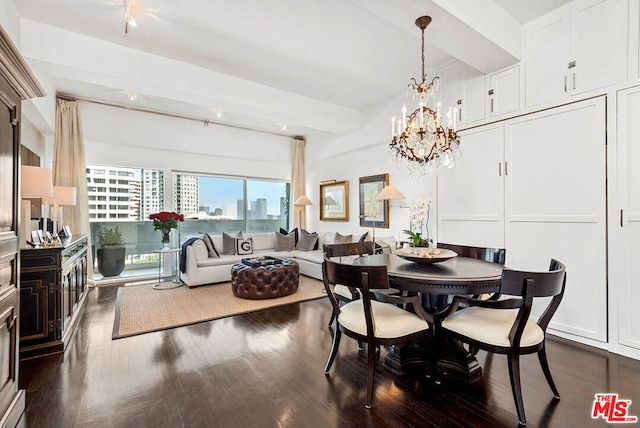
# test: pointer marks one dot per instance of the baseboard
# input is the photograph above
(13, 414)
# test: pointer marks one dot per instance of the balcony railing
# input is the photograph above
(140, 238)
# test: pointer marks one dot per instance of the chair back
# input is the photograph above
(352, 275)
(350, 249)
(537, 284)
(494, 255)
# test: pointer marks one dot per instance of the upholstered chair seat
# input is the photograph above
(492, 326)
(390, 321)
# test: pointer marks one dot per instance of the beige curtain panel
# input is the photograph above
(70, 168)
(298, 183)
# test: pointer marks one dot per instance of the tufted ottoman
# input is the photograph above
(278, 279)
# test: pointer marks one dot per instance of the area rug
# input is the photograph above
(141, 309)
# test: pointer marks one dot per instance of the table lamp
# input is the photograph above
(62, 196)
(36, 183)
(302, 202)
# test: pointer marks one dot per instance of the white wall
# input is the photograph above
(32, 139)
(10, 21)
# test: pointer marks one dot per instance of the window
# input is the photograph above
(231, 204)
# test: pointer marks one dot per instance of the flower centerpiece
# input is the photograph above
(165, 221)
(419, 223)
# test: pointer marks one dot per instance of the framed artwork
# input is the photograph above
(334, 200)
(373, 213)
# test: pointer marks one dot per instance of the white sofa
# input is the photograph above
(213, 270)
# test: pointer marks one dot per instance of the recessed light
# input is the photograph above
(132, 95)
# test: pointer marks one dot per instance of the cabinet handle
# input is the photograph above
(573, 79)
(460, 115)
(491, 105)
(506, 166)
(621, 218)
(565, 83)
(500, 169)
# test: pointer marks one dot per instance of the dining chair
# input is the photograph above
(493, 255)
(343, 293)
(505, 327)
(376, 322)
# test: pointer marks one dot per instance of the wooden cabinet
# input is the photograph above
(53, 283)
(504, 91)
(462, 87)
(16, 84)
(536, 184)
(575, 49)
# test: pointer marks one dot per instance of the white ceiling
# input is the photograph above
(308, 63)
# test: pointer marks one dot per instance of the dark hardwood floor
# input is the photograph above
(265, 369)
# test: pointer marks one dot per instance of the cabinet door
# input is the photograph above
(547, 56)
(504, 91)
(470, 196)
(555, 207)
(627, 230)
(599, 34)
(462, 88)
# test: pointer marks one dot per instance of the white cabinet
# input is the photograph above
(575, 49)
(462, 87)
(535, 185)
(504, 91)
(627, 221)
(471, 196)
(556, 206)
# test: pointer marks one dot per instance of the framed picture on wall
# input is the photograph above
(334, 201)
(373, 213)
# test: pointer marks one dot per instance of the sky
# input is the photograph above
(216, 192)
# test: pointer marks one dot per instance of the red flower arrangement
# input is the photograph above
(165, 221)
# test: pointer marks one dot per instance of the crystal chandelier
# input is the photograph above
(420, 142)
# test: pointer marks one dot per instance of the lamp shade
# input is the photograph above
(388, 193)
(36, 182)
(303, 200)
(64, 195)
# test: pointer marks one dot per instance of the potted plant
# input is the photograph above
(111, 252)
(419, 224)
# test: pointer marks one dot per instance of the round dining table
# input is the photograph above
(435, 283)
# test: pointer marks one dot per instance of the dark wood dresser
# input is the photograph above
(53, 286)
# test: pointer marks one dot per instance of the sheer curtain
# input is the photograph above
(298, 184)
(70, 169)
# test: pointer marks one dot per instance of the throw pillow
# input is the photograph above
(213, 253)
(306, 241)
(244, 246)
(294, 232)
(364, 237)
(229, 243)
(342, 239)
(285, 242)
(200, 250)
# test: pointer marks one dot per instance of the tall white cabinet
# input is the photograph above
(626, 225)
(536, 185)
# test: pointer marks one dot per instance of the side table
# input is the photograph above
(175, 282)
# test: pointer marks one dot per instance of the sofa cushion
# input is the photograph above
(229, 243)
(263, 241)
(342, 239)
(285, 242)
(315, 256)
(244, 246)
(306, 241)
(213, 252)
(200, 250)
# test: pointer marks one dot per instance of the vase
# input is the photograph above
(166, 238)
